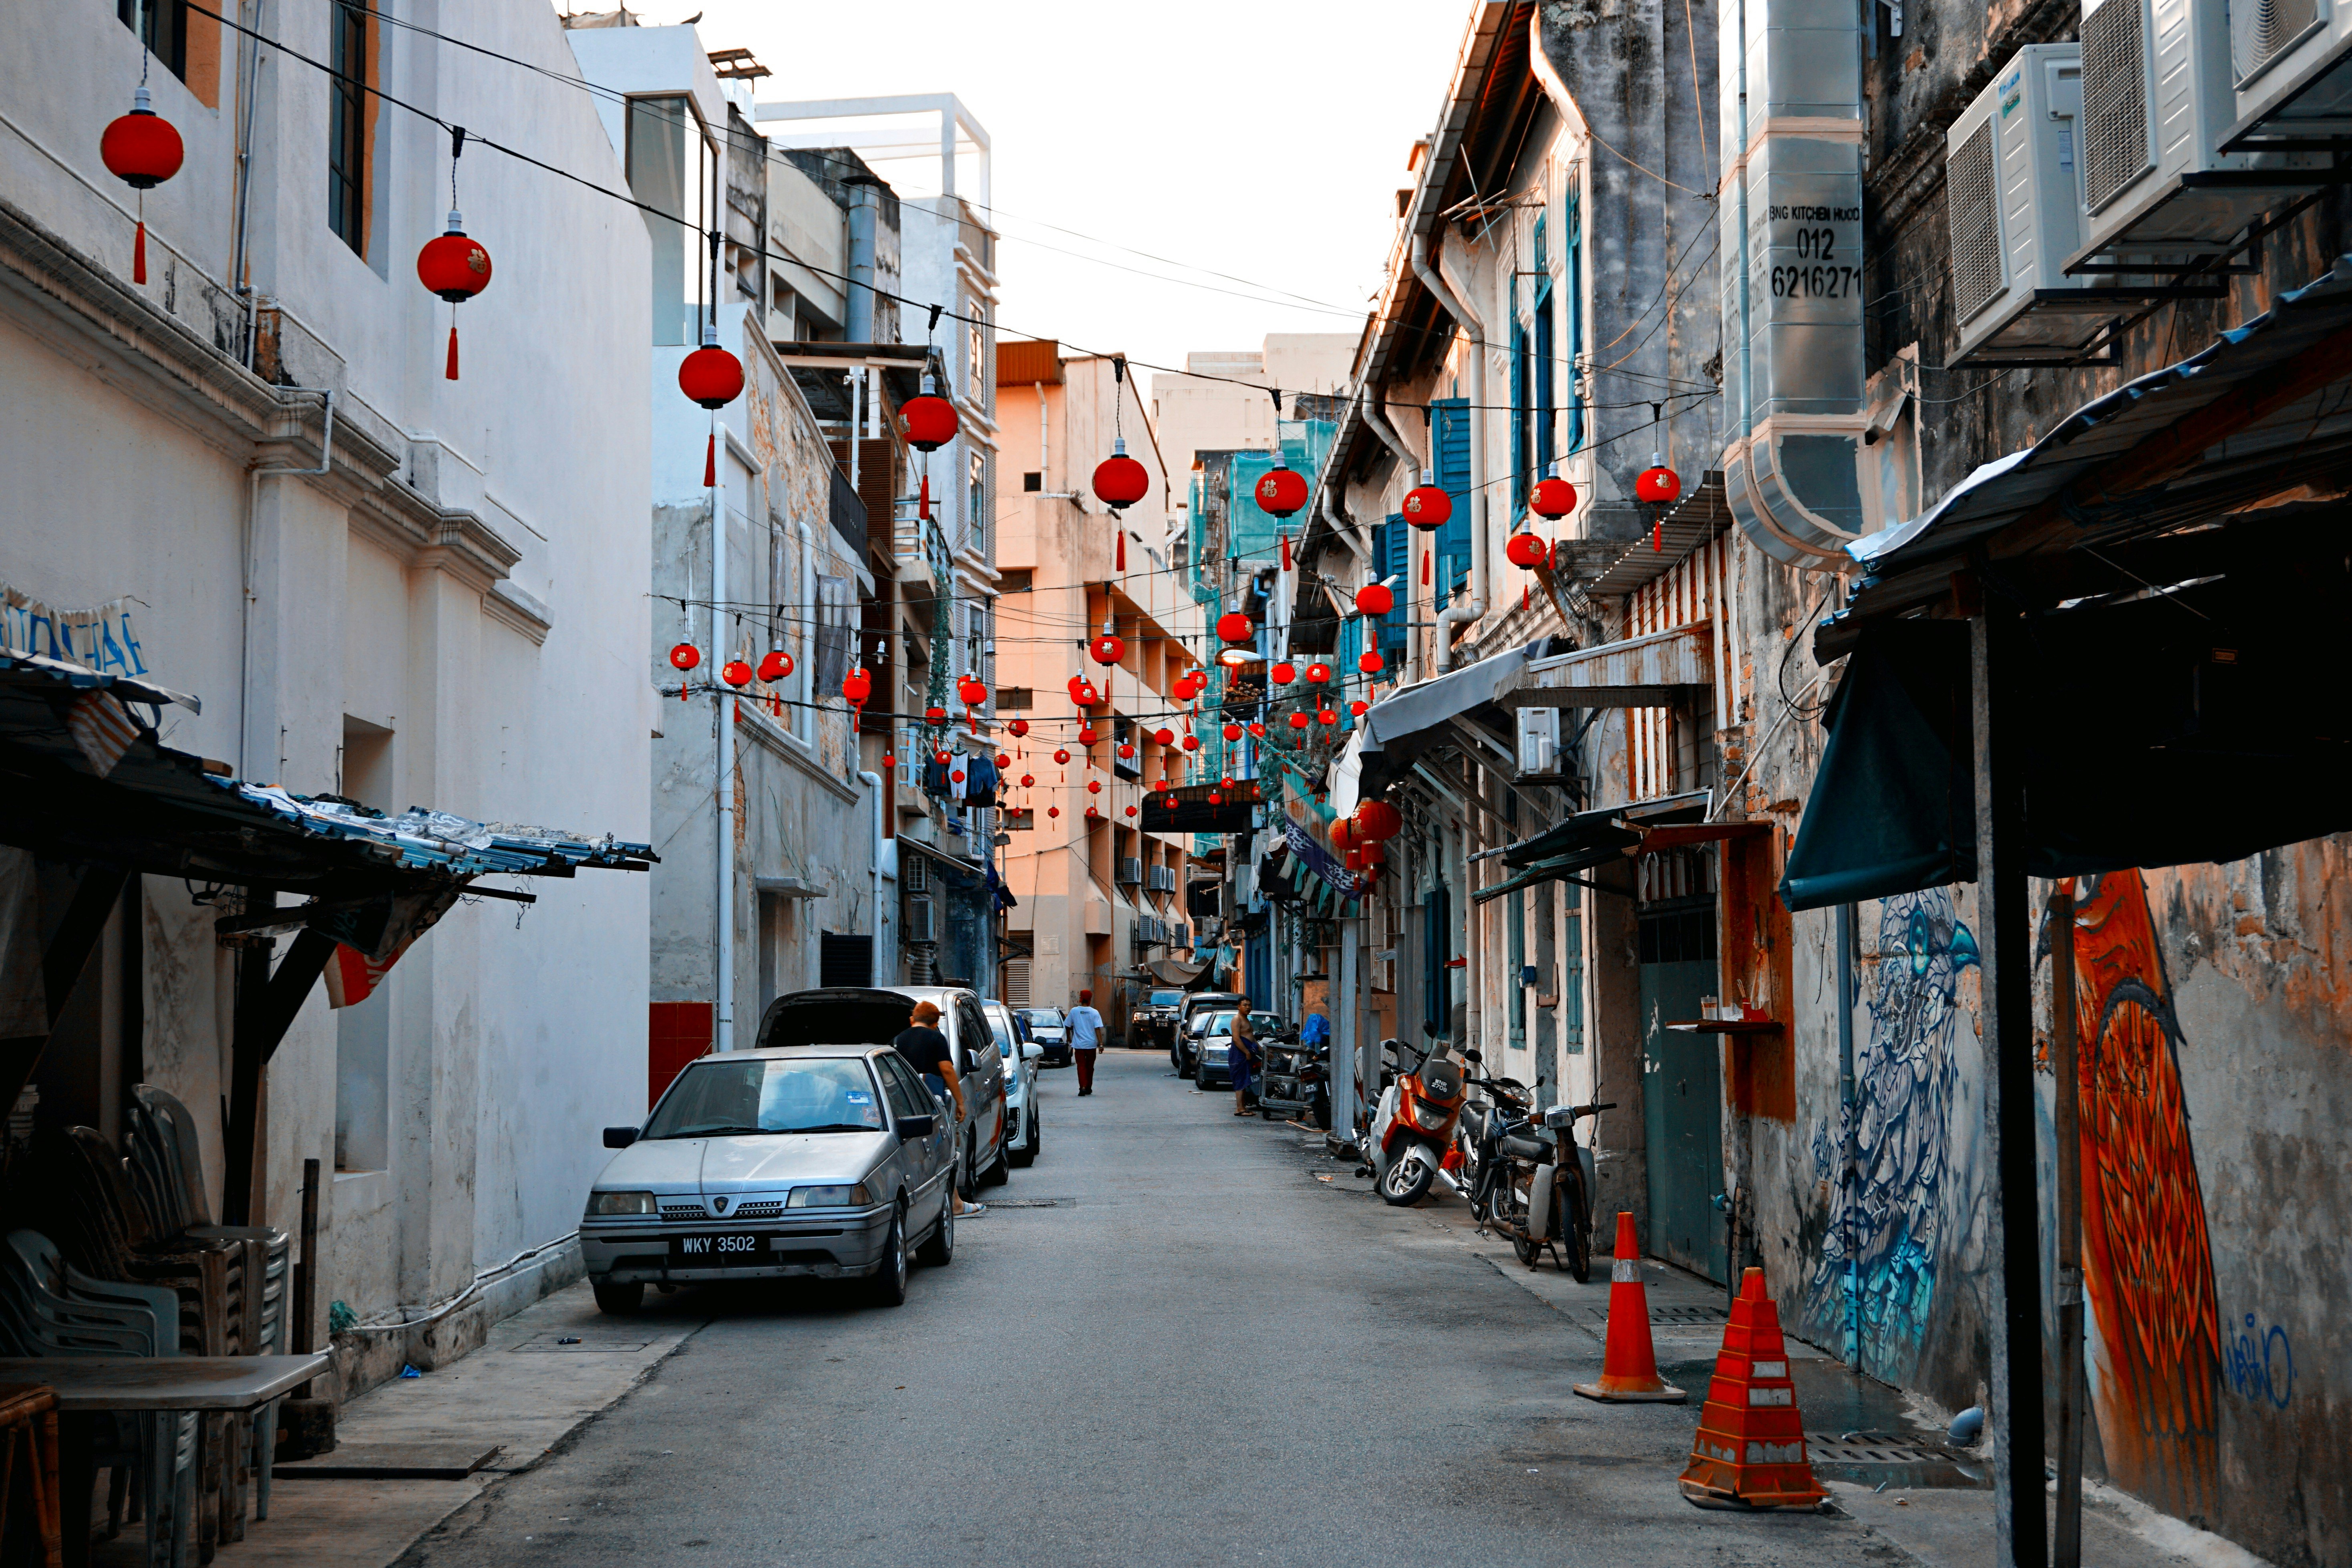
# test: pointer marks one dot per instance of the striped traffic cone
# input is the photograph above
(1750, 1448)
(1628, 1362)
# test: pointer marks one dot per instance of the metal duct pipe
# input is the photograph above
(857, 315)
(1457, 306)
(1340, 531)
(1376, 417)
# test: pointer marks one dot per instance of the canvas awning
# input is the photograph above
(1399, 729)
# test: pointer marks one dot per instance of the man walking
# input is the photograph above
(1085, 1039)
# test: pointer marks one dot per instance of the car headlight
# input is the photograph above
(600, 1204)
(829, 1198)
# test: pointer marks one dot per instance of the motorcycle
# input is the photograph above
(1290, 1079)
(1480, 1131)
(1537, 1187)
(1413, 1131)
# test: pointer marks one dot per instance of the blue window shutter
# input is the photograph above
(1450, 417)
(1395, 560)
(1572, 307)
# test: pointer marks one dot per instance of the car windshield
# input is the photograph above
(1043, 1018)
(718, 1099)
(1265, 1023)
(1166, 998)
(1215, 1024)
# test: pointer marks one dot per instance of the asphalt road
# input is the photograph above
(1199, 1353)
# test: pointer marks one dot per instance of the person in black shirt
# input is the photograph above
(926, 1050)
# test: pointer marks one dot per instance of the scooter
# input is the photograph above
(1413, 1131)
(1479, 1134)
(1539, 1189)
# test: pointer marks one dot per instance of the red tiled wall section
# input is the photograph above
(679, 1032)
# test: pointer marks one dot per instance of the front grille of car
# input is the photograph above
(684, 1211)
(757, 1211)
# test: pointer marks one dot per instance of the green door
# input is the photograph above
(1681, 1092)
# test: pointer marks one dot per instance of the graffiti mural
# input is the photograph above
(2155, 1355)
(1873, 1288)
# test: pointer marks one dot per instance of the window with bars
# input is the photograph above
(346, 125)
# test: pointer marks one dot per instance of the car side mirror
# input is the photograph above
(619, 1137)
(1033, 1053)
(971, 1061)
(913, 1127)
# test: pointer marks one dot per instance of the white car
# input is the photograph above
(1049, 1027)
(1022, 1127)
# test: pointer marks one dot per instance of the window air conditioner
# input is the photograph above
(918, 919)
(2016, 214)
(1131, 869)
(2158, 103)
(1539, 742)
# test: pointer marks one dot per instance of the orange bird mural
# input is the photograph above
(2155, 1353)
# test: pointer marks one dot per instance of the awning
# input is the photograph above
(1396, 731)
(2255, 420)
(2196, 725)
(1648, 671)
(1697, 519)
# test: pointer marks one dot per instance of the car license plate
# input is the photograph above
(730, 1250)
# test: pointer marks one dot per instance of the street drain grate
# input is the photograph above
(1668, 1317)
(1866, 1448)
(1033, 1202)
(573, 1344)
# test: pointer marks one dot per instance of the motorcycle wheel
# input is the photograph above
(1528, 1252)
(1406, 1183)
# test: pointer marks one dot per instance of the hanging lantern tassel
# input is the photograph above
(1286, 552)
(139, 245)
(1122, 545)
(1425, 568)
(1658, 535)
(710, 459)
(450, 374)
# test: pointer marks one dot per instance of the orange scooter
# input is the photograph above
(1413, 1131)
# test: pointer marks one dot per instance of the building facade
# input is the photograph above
(384, 585)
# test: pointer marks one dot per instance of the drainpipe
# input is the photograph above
(252, 518)
(248, 78)
(723, 1014)
(1345, 534)
(1376, 415)
(873, 782)
(1848, 1097)
(1455, 305)
(857, 418)
(857, 313)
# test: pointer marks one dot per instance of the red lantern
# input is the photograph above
(1086, 736)
(1357, 708)
(455, 268)
(1191, 742)
(1002, 761)
(1094, 786)
(736, 673)
(1236, 627)
(973, 691)
(1053, 811)
(1379, 820)
(928, 422)
(888, 761)
(1165, 737)
(1375, 599)
(684, 655)
(1427, 506)
(1107, 649)
(1125, 751)
(857, 685)
(1327, 716)
(1215, 799)
(1019, 727)
(1658, 483)
(1062, 755)
(1281, 489)
(1233, 731)
(1131, 811)
(1257, 730)
(1119, 480)
(710, 375)
(1092, 814)
(1225, 783)
(1319, 673)
(143, 149)
(1371, 663)
(1525, 550)
(1343, 834)
(1355, 860)
(942, 757)
(1553, 497)
(1283, 673)
(1082, 692)
(957, 775)
(1028, 780)
(776, 666)
(1300, 720)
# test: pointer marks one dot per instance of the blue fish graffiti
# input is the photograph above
(1876, 1282)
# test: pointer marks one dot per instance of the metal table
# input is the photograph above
(91, 1387)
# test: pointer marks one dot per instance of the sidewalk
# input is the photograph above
(1948, 1525)
(514, 1399)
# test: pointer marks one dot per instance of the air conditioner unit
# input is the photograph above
(2291, 62)
(2016, 216)
(1162, 878)
(919, 927)
(2159, 100)
(1539, 742)
(1131, 869)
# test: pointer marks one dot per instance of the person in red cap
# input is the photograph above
(1086, 1037)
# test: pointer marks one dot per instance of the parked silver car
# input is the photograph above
(820, 1160)
(874, 1014)
(1021, 1057)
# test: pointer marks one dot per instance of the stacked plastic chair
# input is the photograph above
(49, 1308)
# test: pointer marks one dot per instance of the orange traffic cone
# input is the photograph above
(1628, 1362)
(1750, 1448)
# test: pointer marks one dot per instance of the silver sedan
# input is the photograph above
(820, 1161)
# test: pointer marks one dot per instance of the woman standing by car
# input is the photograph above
(926, 1050)
(1240, 1060)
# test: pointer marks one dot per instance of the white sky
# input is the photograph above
(1265, 139)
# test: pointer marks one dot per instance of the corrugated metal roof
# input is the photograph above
(1028, 361)
(2257, 418)
(1699, 517)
